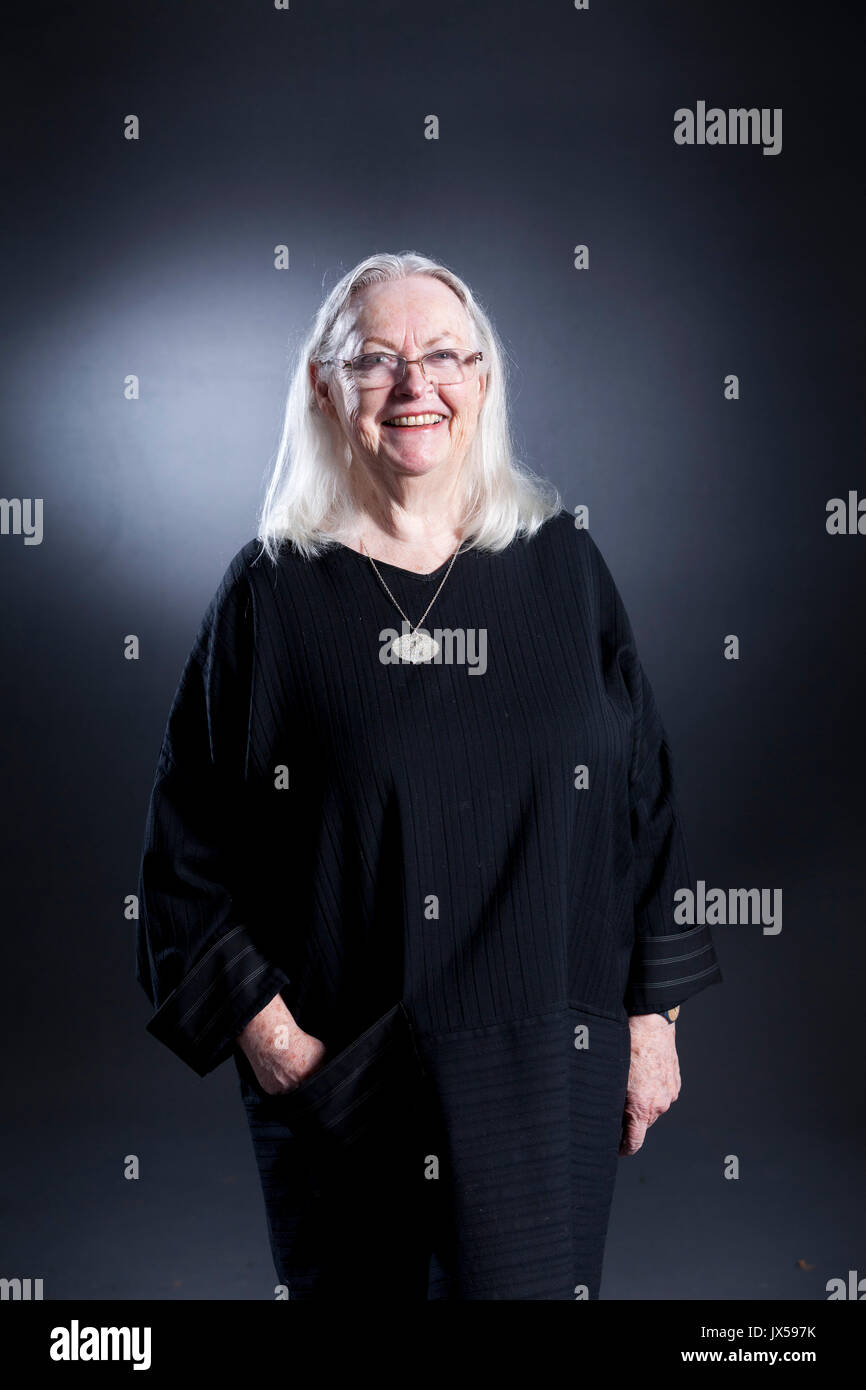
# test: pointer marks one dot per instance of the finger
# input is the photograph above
(634, 1132)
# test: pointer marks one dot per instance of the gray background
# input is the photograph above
(156, 258)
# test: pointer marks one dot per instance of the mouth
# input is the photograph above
(415, 422)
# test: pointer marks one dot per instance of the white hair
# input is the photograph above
(307, 489)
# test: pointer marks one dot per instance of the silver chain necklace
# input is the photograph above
(417, 645)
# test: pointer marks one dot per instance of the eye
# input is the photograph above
(443, 355)
(373, 359)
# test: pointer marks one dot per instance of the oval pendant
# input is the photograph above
(415, 646)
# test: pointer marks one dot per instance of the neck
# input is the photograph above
(411, 512)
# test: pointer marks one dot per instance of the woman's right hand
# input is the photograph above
(280, 1053)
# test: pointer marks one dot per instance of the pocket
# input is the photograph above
(345, 1157)
(369, 1110)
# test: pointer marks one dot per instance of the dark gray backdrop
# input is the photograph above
(155, 257)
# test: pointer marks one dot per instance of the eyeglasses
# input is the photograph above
(446, 367)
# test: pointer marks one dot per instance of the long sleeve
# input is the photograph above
(197, 957)
(670, 961)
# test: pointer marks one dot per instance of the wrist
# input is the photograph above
(273, 1026)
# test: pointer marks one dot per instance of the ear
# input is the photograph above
(321, 389)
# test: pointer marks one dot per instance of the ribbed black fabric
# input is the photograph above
(357, 834)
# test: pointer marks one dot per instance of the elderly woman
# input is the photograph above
(412, 851)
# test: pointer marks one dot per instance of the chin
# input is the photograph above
(419, 457)
(420, 465)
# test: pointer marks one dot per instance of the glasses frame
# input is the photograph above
(477, 357)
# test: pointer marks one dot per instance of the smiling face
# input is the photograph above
(408, 318)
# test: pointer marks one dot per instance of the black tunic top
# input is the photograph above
(487, 843)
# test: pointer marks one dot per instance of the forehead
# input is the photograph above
(420, 306)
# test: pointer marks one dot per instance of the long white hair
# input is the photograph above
(307, 490)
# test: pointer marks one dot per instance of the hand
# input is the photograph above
(653, 1078)
(280, 1053)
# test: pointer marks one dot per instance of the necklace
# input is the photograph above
(418, 645)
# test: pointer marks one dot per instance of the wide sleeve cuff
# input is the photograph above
(666, 970)
(202, 1017)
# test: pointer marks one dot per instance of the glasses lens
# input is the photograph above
(376, 369)
(446, 367)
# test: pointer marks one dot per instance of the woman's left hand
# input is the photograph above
(653, 1078)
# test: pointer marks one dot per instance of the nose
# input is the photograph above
(414, 381)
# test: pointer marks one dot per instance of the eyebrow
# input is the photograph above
(385, 343)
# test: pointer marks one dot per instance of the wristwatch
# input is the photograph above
(670, 1014)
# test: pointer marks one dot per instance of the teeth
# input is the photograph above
(406, 420)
